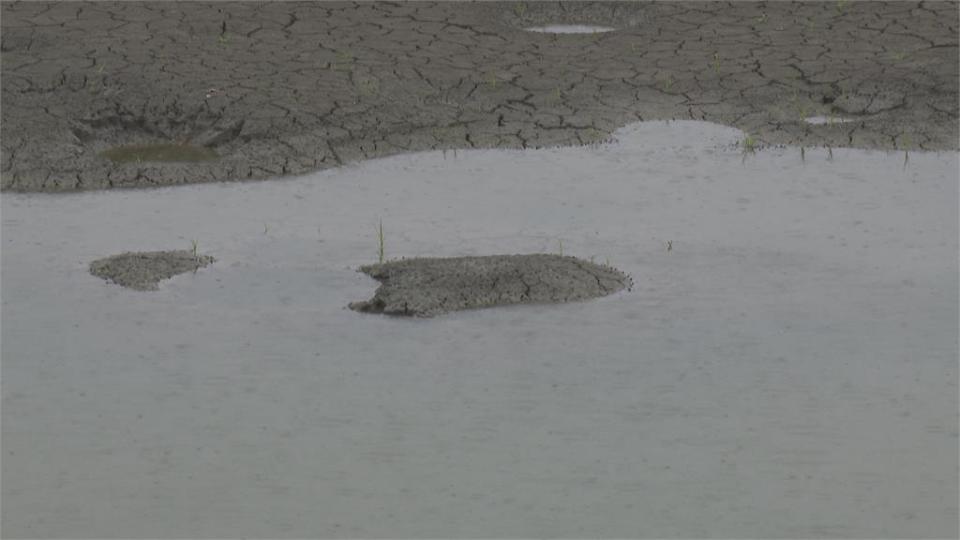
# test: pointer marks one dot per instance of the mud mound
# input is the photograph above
(431, 286)
(143, 271)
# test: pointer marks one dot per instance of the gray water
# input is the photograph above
(788, 368)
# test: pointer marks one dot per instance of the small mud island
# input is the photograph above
(143, 271)
(425, 287)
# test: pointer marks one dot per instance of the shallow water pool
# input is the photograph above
(785, 364)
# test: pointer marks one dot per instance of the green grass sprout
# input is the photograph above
(905, 143)
(342, 61)
(380, 251)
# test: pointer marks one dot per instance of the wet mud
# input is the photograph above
(143, 271)
(425, 287)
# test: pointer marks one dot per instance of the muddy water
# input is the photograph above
(785, 365)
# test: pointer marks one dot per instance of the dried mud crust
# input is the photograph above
(278, 88)
(425, 287)
(143, 271)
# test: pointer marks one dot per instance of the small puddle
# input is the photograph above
(570, 29)
(159, 152)
(818, 120)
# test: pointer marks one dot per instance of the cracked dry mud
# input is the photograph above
(288, 88)
(425, 287)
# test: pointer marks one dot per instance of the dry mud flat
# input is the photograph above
(260, 90)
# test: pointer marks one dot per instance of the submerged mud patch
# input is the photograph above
(561, 17)
(144, 270)
(570, 29)
(425, 287)
(159, 152)
(828, 120)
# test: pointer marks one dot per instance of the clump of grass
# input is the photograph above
(223, 38)
(560, 242)
(368, 87)
(905, 141)
(749, 144)
(342, 61)
(667, 84)
(593, 136)
(520, 8)
(716, 62)
(196, 254)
